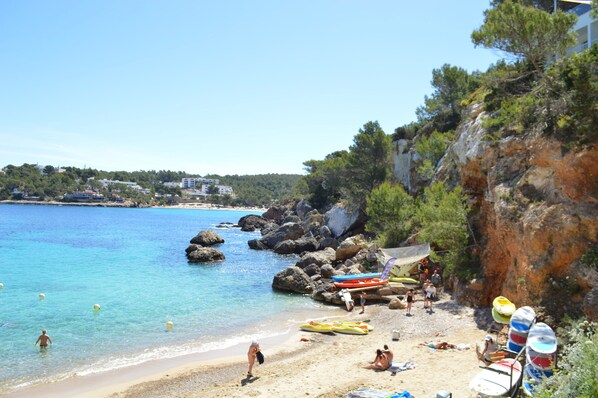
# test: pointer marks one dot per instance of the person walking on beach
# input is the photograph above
(362, 297)
(251, 356)
(430, 292)
(43, 340)
(410, 300)
(425, 292)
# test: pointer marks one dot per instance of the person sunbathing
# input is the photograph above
(381, 361)
(438, 345)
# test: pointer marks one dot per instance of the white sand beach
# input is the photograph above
(325, 366)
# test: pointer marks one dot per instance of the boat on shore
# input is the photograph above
(350, 277)
(357, 283)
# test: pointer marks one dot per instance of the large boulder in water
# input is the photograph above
(256, 244)
(293, 279)
(207, 238)
(205, 255)
(251, 222)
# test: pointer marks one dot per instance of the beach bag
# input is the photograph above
(260, 357)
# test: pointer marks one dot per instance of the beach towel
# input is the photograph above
(367, 393)
(260, 357)
(404, 394)
(400, 366)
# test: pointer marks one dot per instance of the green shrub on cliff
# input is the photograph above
(390, 211)
(577, 372)
(442, 216)
(432, 149)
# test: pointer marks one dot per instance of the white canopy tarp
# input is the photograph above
(407, 255)
(401, 260)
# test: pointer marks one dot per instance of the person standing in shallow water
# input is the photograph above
(251, 356)
(43, 340)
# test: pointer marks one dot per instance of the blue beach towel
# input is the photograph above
(404, 394)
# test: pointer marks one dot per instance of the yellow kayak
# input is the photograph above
(505, 320)
(503, 306)
(316, 327)
(402, 279)
(348, 329)
(359, 324)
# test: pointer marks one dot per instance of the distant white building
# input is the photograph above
(188, 183)
(172, 184)
(132, 185)
(224, 189)
(586, 28)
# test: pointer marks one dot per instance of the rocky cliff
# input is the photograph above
(535, 214)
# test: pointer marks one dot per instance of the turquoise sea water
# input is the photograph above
(132, 262)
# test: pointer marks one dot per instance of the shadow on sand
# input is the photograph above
(248, 380)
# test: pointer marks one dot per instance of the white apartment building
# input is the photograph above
(188, 183)
(132, 185)
(586, 28)
(222, 189)
(172, 184)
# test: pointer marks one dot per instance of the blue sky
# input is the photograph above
(217, 87)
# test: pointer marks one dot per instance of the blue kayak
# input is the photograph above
(351, 277)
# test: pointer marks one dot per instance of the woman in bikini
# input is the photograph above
(410, 300)
(381, 361)
(251, 355)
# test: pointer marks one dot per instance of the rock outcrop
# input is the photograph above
(293, 279)
(207, 238)
(536, 214)
(342, 218)
(199, 251)
(204, 255)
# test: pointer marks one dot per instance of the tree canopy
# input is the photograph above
(526, 32)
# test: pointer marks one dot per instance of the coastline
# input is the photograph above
(192, 206)
(326, 366)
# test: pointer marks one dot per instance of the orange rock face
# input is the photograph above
(536, 215)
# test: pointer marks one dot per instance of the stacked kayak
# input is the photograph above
(403, 279)
(352, 277)
(355, 283)
(502, 310)
(541, 349)
(498, 379)
(340, 327)
(316, 327)
(520, 323)
(345, 327)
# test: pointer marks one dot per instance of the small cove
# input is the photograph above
(132, 263)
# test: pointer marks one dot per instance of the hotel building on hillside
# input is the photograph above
(189, 183)
(586, 28)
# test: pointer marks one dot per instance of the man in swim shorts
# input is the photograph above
(43, 339)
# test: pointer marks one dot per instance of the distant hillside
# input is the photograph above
(48, 183)
(261, 189)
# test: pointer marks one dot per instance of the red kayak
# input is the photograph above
(361, 283)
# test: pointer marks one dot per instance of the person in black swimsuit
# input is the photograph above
(410, 300)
